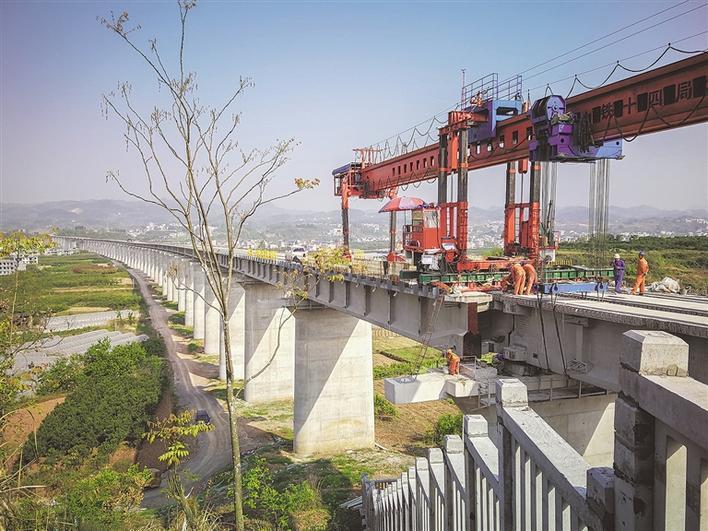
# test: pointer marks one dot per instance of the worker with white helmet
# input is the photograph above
(618, 267)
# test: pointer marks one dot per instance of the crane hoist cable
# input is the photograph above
(427, 337)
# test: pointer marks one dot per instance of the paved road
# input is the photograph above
(213, 448)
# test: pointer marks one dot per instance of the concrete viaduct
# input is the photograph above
(320, 356)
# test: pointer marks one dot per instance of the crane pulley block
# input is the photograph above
(559, 135)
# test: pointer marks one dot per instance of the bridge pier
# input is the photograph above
(269, 344)
(212, 327)
(181, 285)
(198, 300)
(163, 273)
(236, 317)
(334, 403)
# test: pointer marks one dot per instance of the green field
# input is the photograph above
(684, 258)
(73, 284)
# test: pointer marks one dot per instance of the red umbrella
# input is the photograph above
(402, 203)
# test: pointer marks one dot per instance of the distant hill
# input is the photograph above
(130, 214)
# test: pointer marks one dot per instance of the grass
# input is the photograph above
(336, 479)
(176, 323)
(82, 281)
(407, 354)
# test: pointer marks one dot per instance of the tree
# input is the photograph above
(174, 431)
(19, 331)
(217, 179)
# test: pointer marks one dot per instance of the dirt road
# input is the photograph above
(213, 448)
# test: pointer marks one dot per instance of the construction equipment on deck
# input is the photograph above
(494, 126)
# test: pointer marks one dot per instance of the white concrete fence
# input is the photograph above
(526, 477)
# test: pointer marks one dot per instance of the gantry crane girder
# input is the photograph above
(657, 100)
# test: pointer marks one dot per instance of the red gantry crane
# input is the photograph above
(495, 127)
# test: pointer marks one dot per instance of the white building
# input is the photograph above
(7, 266)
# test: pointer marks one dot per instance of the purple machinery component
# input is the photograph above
(562, 136)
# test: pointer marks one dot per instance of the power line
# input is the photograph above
(603, 37)
(614, 63)
(617, 41)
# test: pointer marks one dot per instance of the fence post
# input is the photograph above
(600, 495)
(510, 392)
(412, 499)
(456, 512)
(472, 426)
(437, 489)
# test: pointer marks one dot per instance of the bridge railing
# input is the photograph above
(528, 477)
(544, 478)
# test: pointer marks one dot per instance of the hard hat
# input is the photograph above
(617, 256)
(641, 253)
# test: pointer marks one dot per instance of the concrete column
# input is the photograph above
(152, 267)
(269, 347)
(334, 394)
(198, 301)
(181, 291)
(143, 261)
(212, 325)
(174, 272)
(237, 321)
(188, 295)
(170, 284)
(163, 274)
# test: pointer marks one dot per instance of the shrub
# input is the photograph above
(447, 424)
(106, 498)
(112, 401)
(61, 377)
(384, 409)
(264, 501)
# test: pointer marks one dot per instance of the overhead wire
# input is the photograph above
(618, 64)
(598, 39)
(585, 54)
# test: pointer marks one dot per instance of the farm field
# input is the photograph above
(80, 283)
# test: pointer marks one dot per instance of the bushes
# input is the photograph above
(384, 409)
(447, 424)
(61, 377)
(106, 498)
(112, 401)
(264, 501)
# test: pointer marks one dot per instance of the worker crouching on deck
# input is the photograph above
(642, 270)
(517, 278)
(531, 277)
(453, 362)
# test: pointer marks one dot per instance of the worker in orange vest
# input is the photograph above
(517, 277)
(531, 277)
(453, 361)
(642, 270)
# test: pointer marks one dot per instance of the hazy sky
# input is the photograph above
(333, 75)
